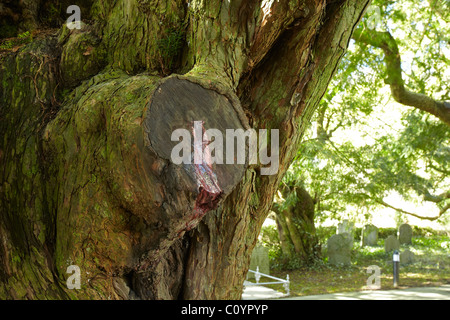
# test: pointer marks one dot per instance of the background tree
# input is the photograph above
(294, 209)
(405, 53)
(85, 125)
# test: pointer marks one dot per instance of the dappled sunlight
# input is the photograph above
(266, 7)
(442, 293)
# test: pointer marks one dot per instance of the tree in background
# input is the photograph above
(401, 48)
(294, 211)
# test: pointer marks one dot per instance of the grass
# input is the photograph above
(11, 43)
(431, 268)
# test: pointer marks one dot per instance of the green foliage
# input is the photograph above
(375, 254)
(8, 44)
(383, 233)
(169, 48)
(361, 147)
(324, 233)
(430, 247)
(269, 238)
(428, 250)
(21, 39)
(427, 232)
(278, 261)
(51, 13)
(431, 268)
(437, 242)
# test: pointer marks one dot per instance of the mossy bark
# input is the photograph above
(81, 179)
(295, 222)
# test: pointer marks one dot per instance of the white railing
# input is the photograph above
(278, 280)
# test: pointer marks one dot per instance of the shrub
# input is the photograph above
(323, 233)
(383, 233)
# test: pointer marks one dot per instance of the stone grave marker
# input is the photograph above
(260, 258)
(345, 227)
(348, 239)
(391, 243)
(405, 234)
(369, 235)
(339, 248)
(407, 257)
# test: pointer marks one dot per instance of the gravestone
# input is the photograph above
(345, 227)
(369, 235)
(407, 257)
(348, 239)
(405, 234)
(260, 259)
(391, 243)
(339, 249)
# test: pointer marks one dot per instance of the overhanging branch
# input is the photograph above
(385, 204)
(387, 43)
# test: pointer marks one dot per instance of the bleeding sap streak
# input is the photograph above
(208, 186)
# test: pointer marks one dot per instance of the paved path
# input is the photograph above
(419, 293)
(422, 293)
(259, 293)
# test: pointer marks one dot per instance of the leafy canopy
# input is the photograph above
(362, 145)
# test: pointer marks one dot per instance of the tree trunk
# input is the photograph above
(295, 222)
(87, 176)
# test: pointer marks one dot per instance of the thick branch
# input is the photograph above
(436, 199)
(385, 204)
(387, 43)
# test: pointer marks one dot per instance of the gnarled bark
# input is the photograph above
(85, 114)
